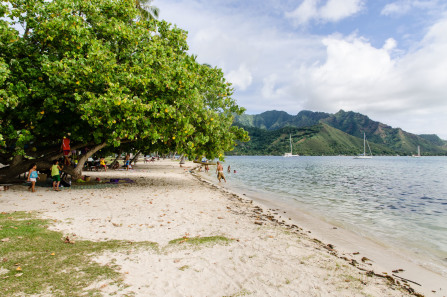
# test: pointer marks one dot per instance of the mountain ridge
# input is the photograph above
(390, 140)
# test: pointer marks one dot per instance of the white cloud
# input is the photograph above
(240, 78)
(336, 10)
(357, 76)
(331, 11)
(248, 50)
(390, 44)
(402, 7)
(305, 12)
(276, 69)
(396, 8)
(270, 89)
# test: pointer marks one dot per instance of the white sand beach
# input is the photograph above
(166, 202)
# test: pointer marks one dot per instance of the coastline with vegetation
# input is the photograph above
(318, 133)
(173, 233)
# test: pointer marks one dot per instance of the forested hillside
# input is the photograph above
(319, 133)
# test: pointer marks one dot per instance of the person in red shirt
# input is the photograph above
(66, 149)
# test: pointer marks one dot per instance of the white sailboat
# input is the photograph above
(419, 153)
(287, 155)
(364, 156)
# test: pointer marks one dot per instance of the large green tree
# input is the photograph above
(147, 10)
(97, 70)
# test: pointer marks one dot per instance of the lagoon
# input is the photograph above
(398, 201)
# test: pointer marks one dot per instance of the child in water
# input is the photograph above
(33, 177)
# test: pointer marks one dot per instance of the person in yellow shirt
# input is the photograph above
(102, 162)
(56, 175)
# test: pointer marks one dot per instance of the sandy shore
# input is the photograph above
(263, 256)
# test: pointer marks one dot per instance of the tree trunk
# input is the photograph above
(134, 160)
(182, 159)
(76, 173)
(16, 160)
(116, 159)
(9, 173)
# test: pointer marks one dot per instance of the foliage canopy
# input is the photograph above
(99, 71)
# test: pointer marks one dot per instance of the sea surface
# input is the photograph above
(398, 201)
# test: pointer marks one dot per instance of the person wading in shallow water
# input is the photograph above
(219, 171)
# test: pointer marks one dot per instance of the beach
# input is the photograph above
(249, 248)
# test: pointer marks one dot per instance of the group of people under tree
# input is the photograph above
(56, 168)
(70, 159)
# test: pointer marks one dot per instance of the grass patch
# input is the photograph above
(200, 240)
(34, 259)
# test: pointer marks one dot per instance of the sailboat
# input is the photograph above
(290, 154)
(364, 156)
(419, 153)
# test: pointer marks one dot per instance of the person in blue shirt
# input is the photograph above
(33, 177)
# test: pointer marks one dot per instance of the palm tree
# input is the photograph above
(148, 11)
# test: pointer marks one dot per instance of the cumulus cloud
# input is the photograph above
(240, 78)
(272, 68)
(250, 51)
(357, 76)
(331, 11)
(305, 12)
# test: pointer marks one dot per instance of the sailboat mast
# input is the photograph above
(290, 135)
(364, 144)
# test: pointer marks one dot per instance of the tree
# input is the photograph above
(147, 11)
(97, 71)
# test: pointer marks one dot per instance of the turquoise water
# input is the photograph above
(400, 201)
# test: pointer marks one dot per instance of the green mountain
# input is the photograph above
(316, 140)
(272, 120)
(317, 133)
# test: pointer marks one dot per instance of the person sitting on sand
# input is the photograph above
(33, 177)
(219, 171)
(55, 175)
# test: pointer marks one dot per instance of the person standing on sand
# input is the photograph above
(66, 149)
(33, 177)
(102, 163)
(55, 175)
(219, 171)
(127, 162)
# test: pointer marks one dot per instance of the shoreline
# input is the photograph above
(261, 256)
(385, 260)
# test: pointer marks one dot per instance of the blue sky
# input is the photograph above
(385, 59)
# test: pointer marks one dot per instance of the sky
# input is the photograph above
(384, 59)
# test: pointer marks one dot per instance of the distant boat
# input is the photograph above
(287, 155)
(419, 153)
(364, 156)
